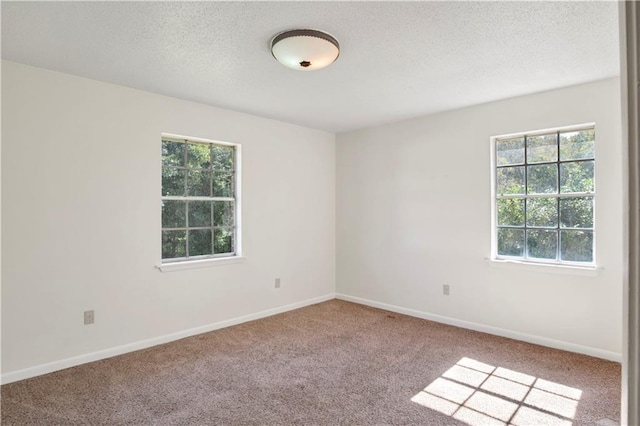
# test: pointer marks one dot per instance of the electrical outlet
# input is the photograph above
(445, 289)
(277, 282)
(89, 317)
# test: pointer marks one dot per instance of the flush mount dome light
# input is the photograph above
(305, 50)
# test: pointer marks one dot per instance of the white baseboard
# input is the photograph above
(530, 338)
(50, 367)
(39, 370)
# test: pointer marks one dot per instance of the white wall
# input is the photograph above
(81, 217)
(413, 213)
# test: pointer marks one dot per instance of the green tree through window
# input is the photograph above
(545, 189)
(198, 200)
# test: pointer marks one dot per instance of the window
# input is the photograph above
(199, 199)
(544, 196)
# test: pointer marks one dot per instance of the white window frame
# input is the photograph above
(212, 259)
(494, 204)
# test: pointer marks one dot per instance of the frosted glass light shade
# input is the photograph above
(305, 50)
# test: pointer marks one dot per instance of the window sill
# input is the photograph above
(196, 264)
(545, 267)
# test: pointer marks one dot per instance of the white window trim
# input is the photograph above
(559, 268)
(538, 265)
(237, 257)
(197, 264)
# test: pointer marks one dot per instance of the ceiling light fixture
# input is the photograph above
(305, 50)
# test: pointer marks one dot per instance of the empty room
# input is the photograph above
(410, 213)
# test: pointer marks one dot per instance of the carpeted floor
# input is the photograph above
(331, 363)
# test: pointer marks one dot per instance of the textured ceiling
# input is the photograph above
(398, 59)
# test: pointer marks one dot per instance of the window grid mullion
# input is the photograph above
(195, 228)
(211, 177)
(558, 198)
(504, 166)
(186, 171)
(213, 227)
(212, 172)
(187, 230)
(526, 193)
(195, 198)
(550, 195)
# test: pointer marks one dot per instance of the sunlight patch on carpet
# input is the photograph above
(480, 394)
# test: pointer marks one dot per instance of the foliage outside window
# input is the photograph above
(198, 200)
(544, 186)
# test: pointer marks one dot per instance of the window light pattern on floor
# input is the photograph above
(483, 395)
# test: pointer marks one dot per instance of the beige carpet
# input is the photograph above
(331, 363)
